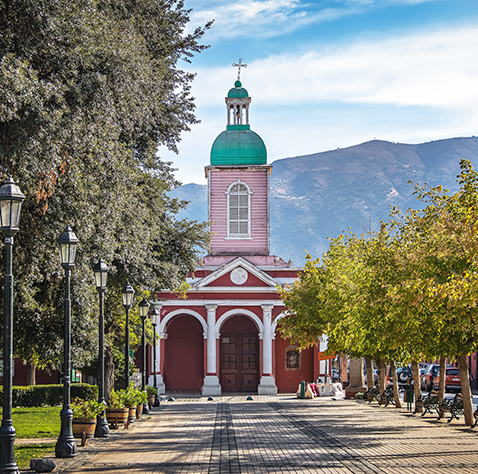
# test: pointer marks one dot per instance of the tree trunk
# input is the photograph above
(417, 389)
(465, 389)
(31, 374)
(109, 373)
(441, 385)
(343, 370)
(381, 375)
(369, 366)
(396, 393)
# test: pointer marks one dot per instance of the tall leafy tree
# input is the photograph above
(440, 292)
(406, 293)
(88, 91)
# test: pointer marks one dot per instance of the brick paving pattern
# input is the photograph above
(283, 435)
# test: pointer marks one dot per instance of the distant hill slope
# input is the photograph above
(321, 195)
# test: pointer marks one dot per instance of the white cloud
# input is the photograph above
(434, 69)
(409, 88)
(262, 18)
(273, 18)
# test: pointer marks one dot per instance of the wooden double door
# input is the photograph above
(239, 362)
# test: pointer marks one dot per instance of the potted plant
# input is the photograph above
(142, 398)
(117, 412)
(84, 416)
(131, 400)
(152, 392)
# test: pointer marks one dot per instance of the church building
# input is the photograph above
(222, 338)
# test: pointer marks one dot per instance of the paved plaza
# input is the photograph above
(282, 435)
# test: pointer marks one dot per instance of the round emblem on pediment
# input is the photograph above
(239, 276)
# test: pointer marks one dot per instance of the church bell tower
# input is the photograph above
(238, 183)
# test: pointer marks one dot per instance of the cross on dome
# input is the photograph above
(239, 65)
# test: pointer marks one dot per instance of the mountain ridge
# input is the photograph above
(320, 195)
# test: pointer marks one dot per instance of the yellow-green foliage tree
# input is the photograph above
(439, 294)
(406, 293)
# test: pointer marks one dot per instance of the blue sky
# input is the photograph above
(328, 74)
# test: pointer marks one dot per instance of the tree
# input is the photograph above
(88, 91)
(441, 291)
(406, 293)
(345, 297)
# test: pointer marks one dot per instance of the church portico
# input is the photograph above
(232, 302)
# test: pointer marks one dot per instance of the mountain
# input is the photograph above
(321, 195)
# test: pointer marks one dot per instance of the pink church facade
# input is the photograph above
(223, 338)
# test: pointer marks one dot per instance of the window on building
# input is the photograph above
(292, 358)
(239, 205)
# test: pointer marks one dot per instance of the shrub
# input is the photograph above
(49, 395)
(86, 409)
(116, 399)
(151, 391)
(132, 396)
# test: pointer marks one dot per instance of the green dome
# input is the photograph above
(238, 90)
(238, 145)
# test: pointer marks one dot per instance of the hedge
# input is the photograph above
(49, 395)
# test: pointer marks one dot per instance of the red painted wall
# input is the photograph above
(43, 377)
(184, 355)
(287, 380)
(239, 325)
(225, 280)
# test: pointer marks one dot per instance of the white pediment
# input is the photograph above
(237, 264)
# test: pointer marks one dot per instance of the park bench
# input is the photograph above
(387, 397)
(428, 402)
(372, 394)
(453, 405)
(475, 415)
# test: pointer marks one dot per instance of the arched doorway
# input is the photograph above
(239, 361)
(184, 355)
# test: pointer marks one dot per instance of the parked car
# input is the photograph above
(452, 380)
(426, 380)
(335, 375)
(403, 374)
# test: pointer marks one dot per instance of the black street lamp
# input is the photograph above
(66, 446)
(154, 321)
(101, 275)
(128, 296)
(143, 312)
(11, 199)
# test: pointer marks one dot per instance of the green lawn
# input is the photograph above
(23, 454)
(37, 422)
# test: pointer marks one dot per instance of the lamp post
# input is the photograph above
(128, 296)
(11, 199)
(65, 446)
(101, 275)
(143, 312)
(154, 321)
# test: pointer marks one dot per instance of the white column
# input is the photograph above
(211, 381)
(267, 385)
(161, 385)
(155, 368)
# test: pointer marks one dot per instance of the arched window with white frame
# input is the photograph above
(239, 211)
